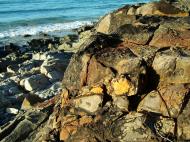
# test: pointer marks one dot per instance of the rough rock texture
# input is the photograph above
(129, 80)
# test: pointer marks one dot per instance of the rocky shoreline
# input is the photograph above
(124, 79)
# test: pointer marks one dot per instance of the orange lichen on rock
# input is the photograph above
(85, 120)
(64, 97)
(121, 86)
(97, 90)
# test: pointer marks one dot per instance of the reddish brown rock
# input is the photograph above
(173, 35)
(137, 34)
(98, 73)
(173, 96)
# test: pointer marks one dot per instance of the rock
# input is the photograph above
(55, 76)
(137, 34)
(36, 82)
(85, 120)
(162, 9)
(153, 102)
(64, 46)
(174, 97)
(12, 69)
(74, 76)
(165, 127)
(174, 33)
(4, 101)
(111, 22)
(122, 86)
(53, 65)
(121, 102)
(51, 55)
(183, 124)
(49, 91)
(12, 110)
(8, 86)
(90, 104)
(21, 128)
(172, 66)
(96, 72)
(131, 128)
(27, 66)
(64, 135)
(30, 101)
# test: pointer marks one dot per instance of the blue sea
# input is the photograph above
(31, 17)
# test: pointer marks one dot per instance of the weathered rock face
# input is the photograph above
(168, 100)
(111, 22)
(131, 82)
(161, 9)
(172, 66)
(174, 33)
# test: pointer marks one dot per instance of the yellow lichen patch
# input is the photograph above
(97, 90)
(121, 86)
(85, 120)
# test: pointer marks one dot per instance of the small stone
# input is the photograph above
(30, 101)
(89, 103)
(12, 110)
(121, 102)
(36, 82)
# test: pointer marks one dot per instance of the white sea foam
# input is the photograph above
(46, 28)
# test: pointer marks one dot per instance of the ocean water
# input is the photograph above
(21, 17)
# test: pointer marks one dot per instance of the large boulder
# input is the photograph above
(162, 9)
(174, 33)
(111, 22)
(172, 66)
(167, 101)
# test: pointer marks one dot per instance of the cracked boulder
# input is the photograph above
(172, 66)
(172, 34)
(167, 101)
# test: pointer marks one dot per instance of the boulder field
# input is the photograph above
(128, 81)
